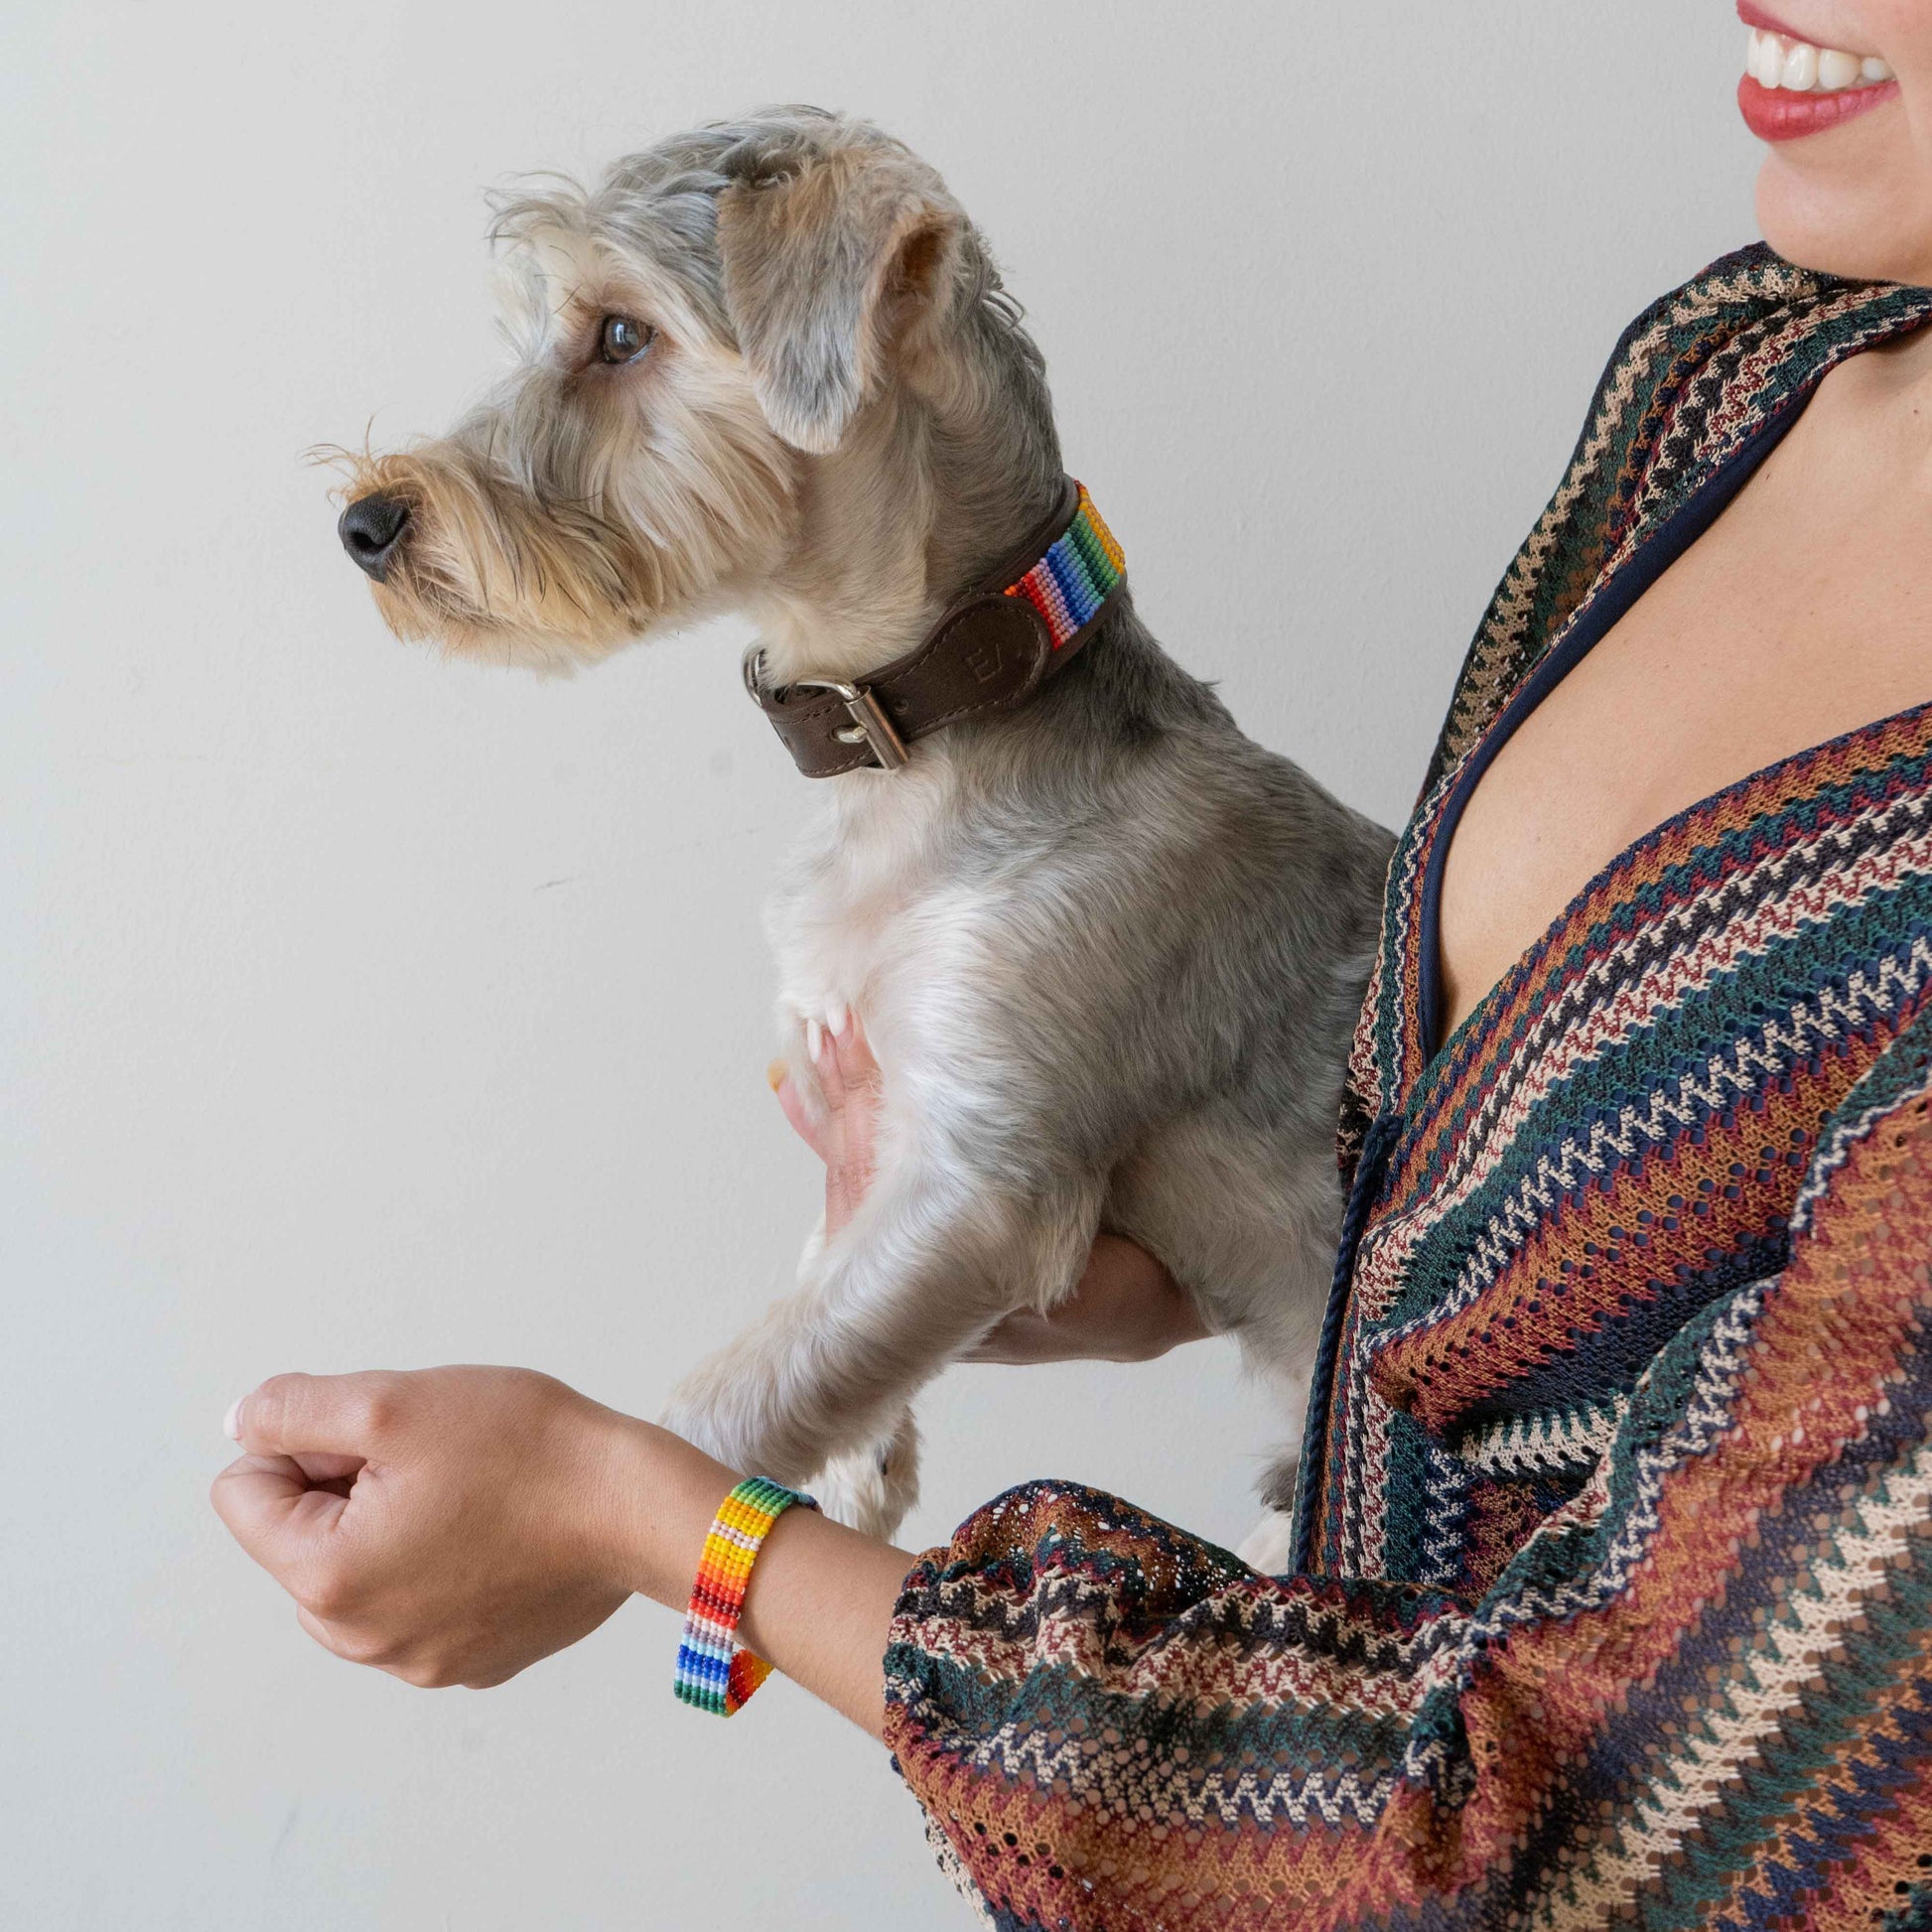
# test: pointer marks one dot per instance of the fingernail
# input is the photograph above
(231, 1422)
(814, 1038)
(774, 1075)
(834, 1018)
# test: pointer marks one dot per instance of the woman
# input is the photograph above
(1613, 1586)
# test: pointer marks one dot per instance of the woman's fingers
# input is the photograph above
(307, 1437)
(273, 1511)
(846, 1071)
(299, 1415)
(354, 1646)
(328, 1636)
(793, 1104)
(324, 1471)
(1125, 1308)
(1019, 1339)
(842, 1134)
(851, 1054)
(825, 1063)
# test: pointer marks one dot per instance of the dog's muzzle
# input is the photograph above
(370, 529)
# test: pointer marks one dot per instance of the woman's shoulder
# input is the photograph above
(1692, 379)
(1707, 360)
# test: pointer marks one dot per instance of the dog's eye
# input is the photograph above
(623, 338)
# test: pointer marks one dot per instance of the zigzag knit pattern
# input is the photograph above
(1616, 1511)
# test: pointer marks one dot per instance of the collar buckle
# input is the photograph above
(870, 725)
(986, 655)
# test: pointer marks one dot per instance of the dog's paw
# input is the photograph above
(1270, 1545)
(872, 1487)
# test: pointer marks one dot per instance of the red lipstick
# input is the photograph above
(1777, 114)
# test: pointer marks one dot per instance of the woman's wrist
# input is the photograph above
(821, 1596)
(657, 1499)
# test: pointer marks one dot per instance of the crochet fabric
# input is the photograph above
(1615, 1595)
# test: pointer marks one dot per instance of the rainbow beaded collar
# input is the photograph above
(990, 652)
(1081, 569)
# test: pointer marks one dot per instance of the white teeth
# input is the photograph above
(1836, 71)
(1773, 61)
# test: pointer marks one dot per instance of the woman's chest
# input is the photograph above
(1617, 1142)
(1803, 612)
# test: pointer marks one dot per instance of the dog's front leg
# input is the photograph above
(875, 1485)
(927, 1267)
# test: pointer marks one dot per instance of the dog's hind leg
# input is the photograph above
(1270, 1545)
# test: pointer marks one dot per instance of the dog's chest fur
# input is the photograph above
(860, 879)
(1088, 939)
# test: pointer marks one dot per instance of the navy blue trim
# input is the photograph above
(1653, 557)
(1377, 1145)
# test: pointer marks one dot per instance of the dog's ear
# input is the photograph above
(831, 264)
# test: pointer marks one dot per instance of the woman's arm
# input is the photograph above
(454, 1525)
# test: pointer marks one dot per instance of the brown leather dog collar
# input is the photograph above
(990, 652)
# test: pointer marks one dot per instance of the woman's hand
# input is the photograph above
(1125, 1308)
(450, 1526)
(454, 1525)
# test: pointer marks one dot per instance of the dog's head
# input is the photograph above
(698, 340)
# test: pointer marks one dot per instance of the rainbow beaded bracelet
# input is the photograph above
(714, 1670)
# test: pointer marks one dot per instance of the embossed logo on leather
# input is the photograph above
(983, 660)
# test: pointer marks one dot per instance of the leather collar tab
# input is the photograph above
(990, 652)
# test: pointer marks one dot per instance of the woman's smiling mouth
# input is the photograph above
(1793, 87)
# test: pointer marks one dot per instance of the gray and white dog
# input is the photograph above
(1109, 952)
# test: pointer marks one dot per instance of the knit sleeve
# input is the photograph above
(1701, 1692)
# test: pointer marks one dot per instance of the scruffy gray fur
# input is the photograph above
(1108, 951)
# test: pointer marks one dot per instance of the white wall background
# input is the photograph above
(357, 1009)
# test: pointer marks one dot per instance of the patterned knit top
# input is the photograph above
(1614, 1593)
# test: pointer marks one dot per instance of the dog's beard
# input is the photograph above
(554, 566)
(486, 569)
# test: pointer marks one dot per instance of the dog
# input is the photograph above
(1109, 952)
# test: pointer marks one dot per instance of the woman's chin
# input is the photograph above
(1859, 229)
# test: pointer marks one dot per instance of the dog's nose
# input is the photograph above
(370, 528)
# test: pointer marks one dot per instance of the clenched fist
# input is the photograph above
(450, 1526)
